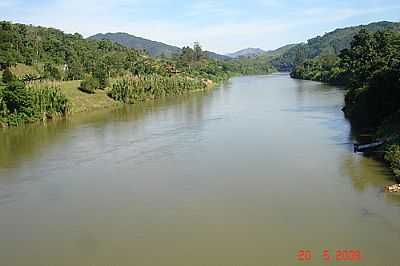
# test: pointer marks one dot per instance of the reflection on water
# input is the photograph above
(365, 173)
(26, 141)
(246, 174)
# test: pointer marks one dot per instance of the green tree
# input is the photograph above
(18, 99)
(373, 63)
(187, 55)
(89, 84)
(51, 72)
(197, 52)
(101, 74)
(300, 56)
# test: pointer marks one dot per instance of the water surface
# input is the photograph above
(246, 174)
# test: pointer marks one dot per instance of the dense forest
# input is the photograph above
(329, 44)
(32, 56)
(55, 55)
(370, 70)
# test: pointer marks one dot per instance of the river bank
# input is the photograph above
(388, 131)
(369, 69)
(79, 101)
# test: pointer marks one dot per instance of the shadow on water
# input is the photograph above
(365, 171)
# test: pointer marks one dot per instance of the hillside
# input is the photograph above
(215, 56)
(47, 73)
(256, 52)
(330, 43)
(154, 48)
(280, 51)
(248, 52)
(57, 55)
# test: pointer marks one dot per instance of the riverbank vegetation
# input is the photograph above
(140, 88)
(331, 43)
(32, 57)
(20, 104)
(370, 70)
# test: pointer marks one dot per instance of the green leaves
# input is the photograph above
(371, 62)
(18, 99)
(371, 70)
(51, 72)
(19, 104)
(392, 156)
(89, 85)
(137, 89)
(8, 76)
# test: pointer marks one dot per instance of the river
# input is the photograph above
(246, 174)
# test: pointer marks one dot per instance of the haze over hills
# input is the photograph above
(255, 52)
(248, 52)
(154, 48)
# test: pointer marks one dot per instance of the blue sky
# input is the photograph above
(221, 26)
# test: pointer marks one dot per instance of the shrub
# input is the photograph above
(50, 101)
(8, 76)
(392, 156)
(100, 74)
(131, 90)
(89, 84)
(19, 104)
(3, 106)
(17, 98)
(121, 91)
(52, 72)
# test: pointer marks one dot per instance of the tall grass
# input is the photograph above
(3, 110)
(49, 101)
(20, 104)
(140, 88)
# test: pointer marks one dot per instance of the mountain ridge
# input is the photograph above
(247, 52)
(153, 48)
(330, 43)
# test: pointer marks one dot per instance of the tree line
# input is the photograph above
(370, 70)
(50, 54)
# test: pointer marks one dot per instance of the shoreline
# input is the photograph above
(81, 102)
(374, 133)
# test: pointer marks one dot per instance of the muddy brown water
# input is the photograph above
(247, 174)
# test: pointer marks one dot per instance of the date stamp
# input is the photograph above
(344, 255)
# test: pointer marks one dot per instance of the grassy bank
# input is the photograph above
(42, 100)
(85, 73)
(79, 100)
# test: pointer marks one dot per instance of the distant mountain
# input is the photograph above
(249, 52)
(216, 56)
(152, 47)
(330, 43)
